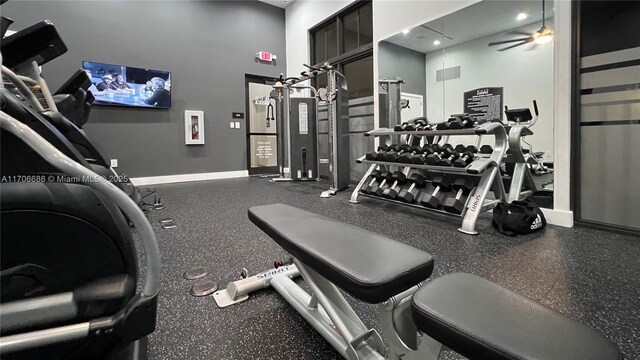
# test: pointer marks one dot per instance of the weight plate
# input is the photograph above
(195, 273)
(204, 288)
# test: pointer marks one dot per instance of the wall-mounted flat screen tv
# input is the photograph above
(129, 86)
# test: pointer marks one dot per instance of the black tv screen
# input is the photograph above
(129, 86)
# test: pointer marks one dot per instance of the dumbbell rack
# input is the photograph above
(487, 168)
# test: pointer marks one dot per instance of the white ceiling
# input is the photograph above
(279, 3)
(479, 20)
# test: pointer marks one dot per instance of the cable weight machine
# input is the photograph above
(297, 127)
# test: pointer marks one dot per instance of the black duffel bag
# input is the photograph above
(518, 218)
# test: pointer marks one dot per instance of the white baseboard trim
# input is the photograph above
(558, 217)
(168, 179)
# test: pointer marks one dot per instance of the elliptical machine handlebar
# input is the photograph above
(535, 110)
(22, 87)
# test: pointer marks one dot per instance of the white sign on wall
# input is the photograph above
(414, 108)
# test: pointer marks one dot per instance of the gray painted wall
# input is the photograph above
(394, 60)
(208, 46)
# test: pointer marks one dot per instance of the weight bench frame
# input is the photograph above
(331, 315)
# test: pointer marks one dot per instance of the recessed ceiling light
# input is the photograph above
(522, 16)
(405, 31)
(436, 43)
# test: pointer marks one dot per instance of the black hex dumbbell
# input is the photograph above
(392, 192)
(471, 148)
(456, 204)
(388, 177)
(373, 155)
(465, 159)
(486, 149)
(469, 121)
(421, 124)
(405, 126)
(409, 195)
(453, 123)
(382, 178)
(406, 157)
(432, 200)
(445, 151)
(427, 150)
(449, 159)
(443, 125)
(376, 175)
(380, 155)
(392, 156)
(461, 121)
(460, 148)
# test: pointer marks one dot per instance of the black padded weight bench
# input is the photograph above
(369, 266)
(468, 314)
(483, 320)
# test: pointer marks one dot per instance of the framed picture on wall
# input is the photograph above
(194, 127)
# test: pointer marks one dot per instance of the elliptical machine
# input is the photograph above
(523, 117)
(69, 277)
(57, 117)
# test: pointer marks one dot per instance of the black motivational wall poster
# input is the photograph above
(484, 103)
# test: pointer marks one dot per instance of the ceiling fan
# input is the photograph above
(540, 36)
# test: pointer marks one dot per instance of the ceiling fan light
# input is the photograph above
(543, 39)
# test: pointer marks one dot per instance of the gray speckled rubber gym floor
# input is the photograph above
(590, 275)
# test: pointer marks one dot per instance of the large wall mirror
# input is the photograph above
(443, 59)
